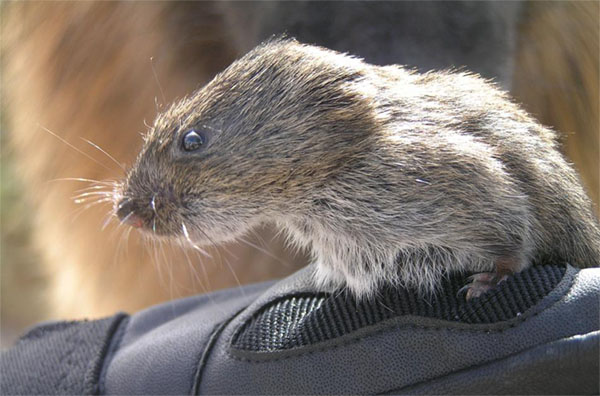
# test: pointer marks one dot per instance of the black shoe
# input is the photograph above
(535, 333)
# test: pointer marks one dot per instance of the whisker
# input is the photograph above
(264, 251)
(92, 200)
(155, 261)
(93, 194)
(259, 238)
(264, 245)
(162, 93)
(75, 148)
(107, 221)
(202, 266)
(237, 280)
(103, 151)
(79, 179)
(93, 188)
(127, 233)
(194, 246)
(221, 260)
(216, 247)
(118, 250)
(153, 204)
(83, 209)
(124, 220)
(207, 278)
(194, 272)
(169, 265)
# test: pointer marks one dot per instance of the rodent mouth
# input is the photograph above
(127, 215)
(145, 219)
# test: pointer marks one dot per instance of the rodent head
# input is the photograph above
(254, 144)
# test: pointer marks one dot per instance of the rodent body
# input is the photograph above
(387, 175)
(80, 81)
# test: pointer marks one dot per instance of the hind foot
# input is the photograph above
(480, 284)
(485, 281)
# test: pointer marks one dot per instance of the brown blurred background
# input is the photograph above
(84, 70)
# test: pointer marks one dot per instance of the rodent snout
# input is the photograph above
(127, 215)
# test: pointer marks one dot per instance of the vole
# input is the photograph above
(387, 175)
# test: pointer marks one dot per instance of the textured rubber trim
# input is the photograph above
(301, 320)
(569, 366)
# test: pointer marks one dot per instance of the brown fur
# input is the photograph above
(62, 68)
(387, 176)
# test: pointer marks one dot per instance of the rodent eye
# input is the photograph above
(193, 141)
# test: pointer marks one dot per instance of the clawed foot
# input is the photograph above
(480, 284)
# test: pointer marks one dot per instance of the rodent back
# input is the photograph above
(442, 163)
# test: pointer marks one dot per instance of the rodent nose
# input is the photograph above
(126, 213)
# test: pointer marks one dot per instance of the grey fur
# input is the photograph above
(387, 175)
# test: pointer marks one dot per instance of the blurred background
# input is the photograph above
(100, 71)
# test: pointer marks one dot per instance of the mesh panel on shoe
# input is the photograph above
(300, 320)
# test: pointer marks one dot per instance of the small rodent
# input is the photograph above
(387, 175)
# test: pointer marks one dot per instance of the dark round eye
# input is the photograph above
(193, 141)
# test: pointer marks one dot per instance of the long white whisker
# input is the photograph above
(221, 260)
(186, 234)
(156, 261)
(79, 179)
(207, 278)
(93, 194)
(118, 250)
(169, 265)
(266, 252)
(83, 209)
(237, 280)
(216, 247)
(89, 202)
(162, 93)
(194, 272)
(153, 204)
(126, 217)
(108, 155)
(107, 221)
(127, 233)
(93, 188)
(94, 200)
(264, 245)
(75, 148)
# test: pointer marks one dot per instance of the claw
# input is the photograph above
(482, 277)
(463, 290)
(479, 284)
